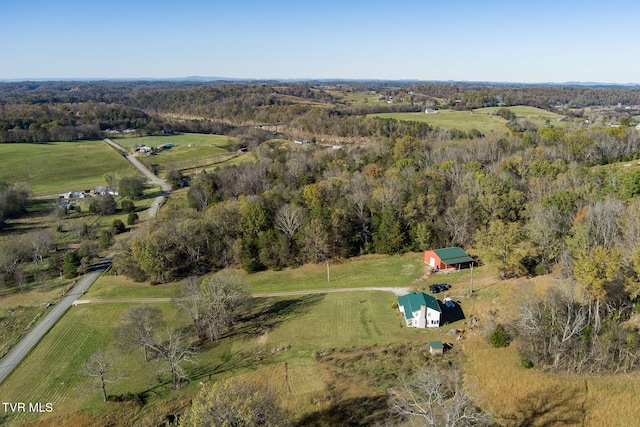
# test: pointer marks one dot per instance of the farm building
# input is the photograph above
(430, 111)
(420, 310)
(441, 259)
(436, 348)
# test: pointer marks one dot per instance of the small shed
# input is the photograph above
(436, 348)
(430, 111)
(441, 259)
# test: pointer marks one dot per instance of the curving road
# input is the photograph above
(19, 352)
(166, 188)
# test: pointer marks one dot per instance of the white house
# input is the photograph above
(420, 310)
(430, 111)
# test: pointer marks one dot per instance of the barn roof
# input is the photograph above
(453, 255)
(412, 302)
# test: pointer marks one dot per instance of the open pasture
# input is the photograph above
(481, 119)
(57, 167)
(189, 151)
(451, 119)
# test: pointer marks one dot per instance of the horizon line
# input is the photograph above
(336, 80)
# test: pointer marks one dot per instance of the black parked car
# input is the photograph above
(439, 287)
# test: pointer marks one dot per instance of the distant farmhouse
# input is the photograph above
(430, 111)
(442, 259)
(420, 310)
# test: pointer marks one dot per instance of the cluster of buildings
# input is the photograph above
(145, 149)
(421, 310)
(100, 190)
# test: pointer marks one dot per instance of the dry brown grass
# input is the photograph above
(516, 396)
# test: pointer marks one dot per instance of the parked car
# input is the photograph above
(439, 287)
(449, 304)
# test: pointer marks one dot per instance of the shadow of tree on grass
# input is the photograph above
(360, 411)
(545, 408)
(267, 313)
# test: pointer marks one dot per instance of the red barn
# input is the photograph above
(447, 258)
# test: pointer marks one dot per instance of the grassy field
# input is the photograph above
(365, 271)
(58, 167)
(279, 341)
(479, 119)
(296, 326)
(450, 119)
(189, 151)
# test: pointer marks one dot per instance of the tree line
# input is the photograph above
(55, 111)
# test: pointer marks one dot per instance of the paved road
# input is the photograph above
(166, 188)
(19, 352)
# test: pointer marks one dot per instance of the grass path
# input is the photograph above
(396, 291)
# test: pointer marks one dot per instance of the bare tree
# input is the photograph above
(12, 254)
(545, 232)
(140, 327)
(288, 219)
(629, 222)
(458, 221)
(434, 397)
(550, 326)
(40, 242)
(175, 350)
(101, 367)
(603, 230)
(213, 304)
(316, 241)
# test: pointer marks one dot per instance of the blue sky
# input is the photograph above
(492, 40)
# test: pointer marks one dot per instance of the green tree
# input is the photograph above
(132, 218)
(104, 205)
(128, 206)
(624, 121)
(253, 217)
(149, 259)
(389, 237)
(499, 337)
(105, 238)
(118, 226)
(70, 265)
(132, 187)
(596, 270)
(175, 178)
(505, 244)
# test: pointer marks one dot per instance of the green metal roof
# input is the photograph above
(412, 302)
(436, 344)
(453, 256)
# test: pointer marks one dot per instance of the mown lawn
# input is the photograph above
(293, 326)
(57, 167)
(365, 271)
